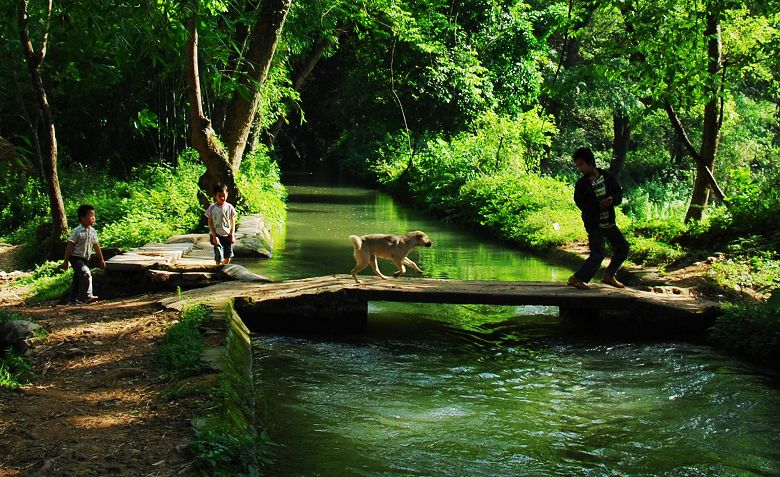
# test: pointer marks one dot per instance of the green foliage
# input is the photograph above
(158, 202)
(752, 329)
(6, 315)
(180, 353)
(261, 188)
(534, 211)
(47, 282)
(757, 270)
(15, 370)
(441, 167)
(754, 204)
(223, 448)
(23, 204)
(649, 251)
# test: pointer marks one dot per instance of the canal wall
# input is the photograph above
(232, 426)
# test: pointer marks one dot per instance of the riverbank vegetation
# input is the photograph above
(469, 109)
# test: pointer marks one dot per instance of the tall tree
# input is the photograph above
(34, 59)
(713, 118)
(222, 162)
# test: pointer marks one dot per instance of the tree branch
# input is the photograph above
(696, 156)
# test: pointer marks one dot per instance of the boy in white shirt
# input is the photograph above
(221, 216)
(77, 253)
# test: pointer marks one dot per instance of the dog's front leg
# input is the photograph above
(375, 267)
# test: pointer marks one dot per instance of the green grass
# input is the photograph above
(752, 329)
(47, 282)
(180, 353)
(14, 369)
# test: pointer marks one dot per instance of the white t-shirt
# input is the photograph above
(84, 239)
(220, 216)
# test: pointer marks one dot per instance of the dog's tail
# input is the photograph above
(356, 241)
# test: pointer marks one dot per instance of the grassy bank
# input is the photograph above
(157, 201)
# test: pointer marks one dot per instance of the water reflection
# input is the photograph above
(315, 240)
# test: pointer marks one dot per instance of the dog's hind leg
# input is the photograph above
(401, 269)
(361, 262)
(356, 270)
(375, 267)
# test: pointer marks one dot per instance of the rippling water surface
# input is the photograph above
(452, 390)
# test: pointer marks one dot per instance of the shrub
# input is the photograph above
(182, 347)
(47, 282)
(536, 212)
(752, 329)
(14, 369)
(261, 188)
(156, 202)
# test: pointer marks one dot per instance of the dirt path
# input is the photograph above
(96, 404)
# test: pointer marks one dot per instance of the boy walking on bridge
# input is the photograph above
(596, 194)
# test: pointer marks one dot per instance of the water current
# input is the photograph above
(454, 390)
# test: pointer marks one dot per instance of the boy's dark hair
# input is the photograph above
(84, 210)
(219, 187)
(585, 154)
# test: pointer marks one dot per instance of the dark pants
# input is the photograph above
(81, 286)
(224, 250)
(596, 238)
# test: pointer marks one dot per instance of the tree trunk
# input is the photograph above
(711, 130)
(620, 139)
(204, 139)
(243, 106)
(59, 223)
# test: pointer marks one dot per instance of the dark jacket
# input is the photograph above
(586, 200)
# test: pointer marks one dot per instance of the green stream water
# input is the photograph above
(452, 390)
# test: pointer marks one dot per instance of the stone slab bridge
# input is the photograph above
(337, 303)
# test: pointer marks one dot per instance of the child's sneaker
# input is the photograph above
(91, 299)
(611, 280)
(577, 283)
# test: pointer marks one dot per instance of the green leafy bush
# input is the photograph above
(14, 369)
(758, 270)
(752, 329)
(261, 188)
(47, 282)
(156, 202)
(534, 211)
(223, 448)
(495, 145)
(182, 347)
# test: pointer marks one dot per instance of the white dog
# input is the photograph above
(391, 247)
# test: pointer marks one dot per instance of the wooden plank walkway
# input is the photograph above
(323, 297)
